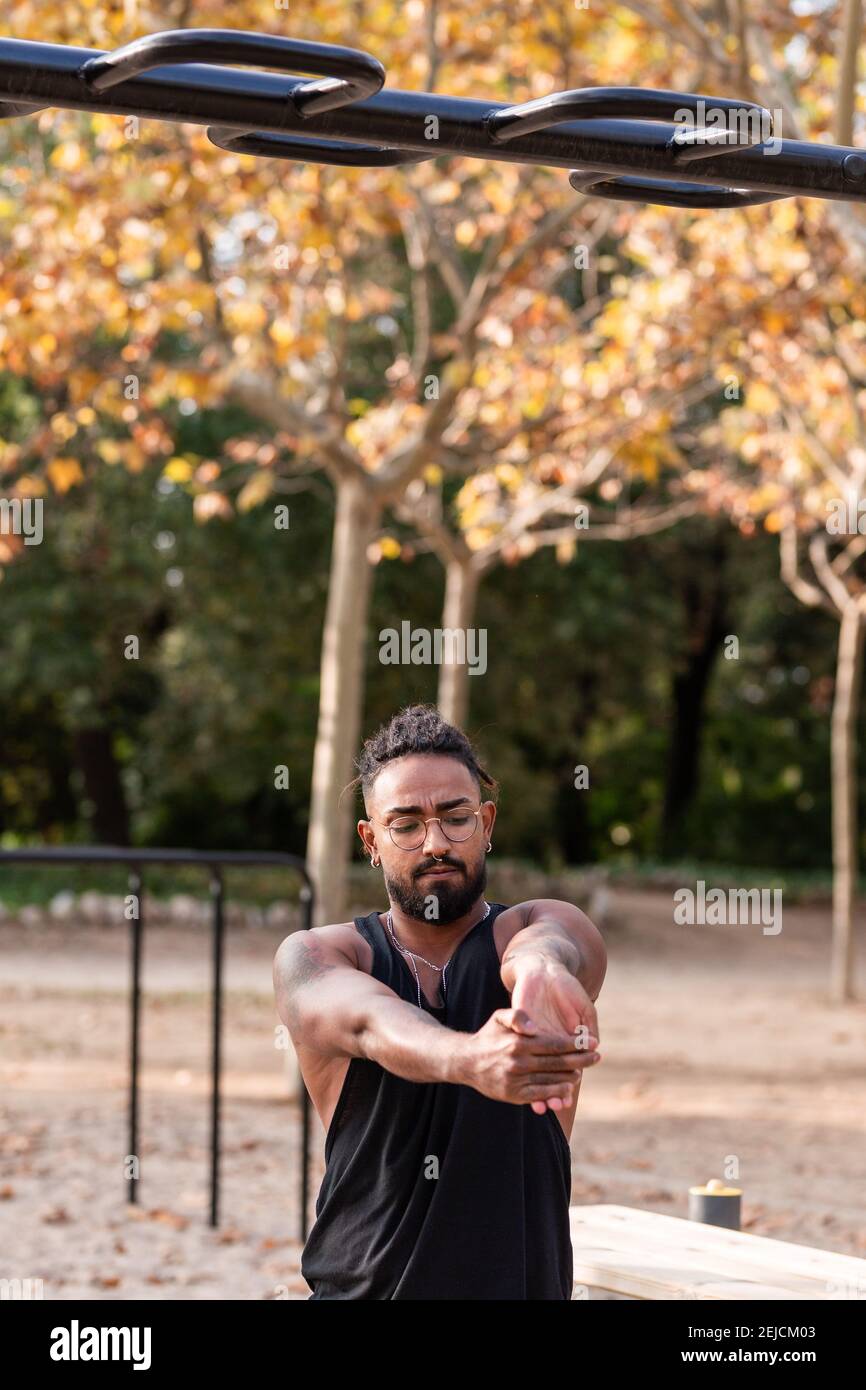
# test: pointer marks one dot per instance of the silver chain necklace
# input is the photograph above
(414, 955)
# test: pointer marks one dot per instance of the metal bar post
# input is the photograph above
(133, 1156)
(216, 888)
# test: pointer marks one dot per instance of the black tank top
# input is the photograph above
(494, 1223)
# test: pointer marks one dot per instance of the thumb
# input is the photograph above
(520, 1022)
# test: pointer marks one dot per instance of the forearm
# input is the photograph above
(410, 1043)
(544, 943)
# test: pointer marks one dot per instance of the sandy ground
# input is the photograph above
(716, 1041)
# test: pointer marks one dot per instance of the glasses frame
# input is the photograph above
(427, 820)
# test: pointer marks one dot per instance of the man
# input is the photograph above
(443, 1045)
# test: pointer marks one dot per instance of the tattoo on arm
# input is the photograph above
(306, 963)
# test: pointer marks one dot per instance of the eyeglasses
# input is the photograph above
(410, 832)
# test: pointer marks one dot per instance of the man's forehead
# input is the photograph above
(422, 785)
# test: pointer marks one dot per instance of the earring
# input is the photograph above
(374, 863)
(489, 846)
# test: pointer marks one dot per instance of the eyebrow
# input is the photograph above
(439, 806)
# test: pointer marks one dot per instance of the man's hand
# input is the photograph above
(557, 1003)
(514, 1059)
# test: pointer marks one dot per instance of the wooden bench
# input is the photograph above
(621, 1252)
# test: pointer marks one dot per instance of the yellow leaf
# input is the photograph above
(760, 398)
(178, 470)
(69, 157)
(281, 330)
(46, 344)
(30, 486)
(109, 451)
(255, 491)
(507, 475)
(60, 424)
(65, 473)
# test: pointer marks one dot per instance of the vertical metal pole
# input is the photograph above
(216, 888)
(306, 896)
(135, 888)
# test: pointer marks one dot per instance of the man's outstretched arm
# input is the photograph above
(328, 1003)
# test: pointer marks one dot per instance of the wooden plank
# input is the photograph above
(602, 1268)
(612, 1221)
(650, 1255)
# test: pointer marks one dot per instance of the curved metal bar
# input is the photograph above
(253, 101)
(8, 109)
(706, 143)
(582, 103)
(351, 74)
(300, 147)
(676, 195)
(635, 104)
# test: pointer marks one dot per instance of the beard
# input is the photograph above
(455, 895)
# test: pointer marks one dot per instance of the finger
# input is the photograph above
(547, 1042)
(541, 1106)
(517, 1020)
(547, 1092)
(558, 1062)
(548, 1078)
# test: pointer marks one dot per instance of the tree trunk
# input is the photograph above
(688, 699)
(341, 691)
(707, 622)
(848, 52)
(94, 753)
(846, 699)
(461, 593)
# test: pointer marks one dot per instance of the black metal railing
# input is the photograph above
(134, 860)
(605, 131)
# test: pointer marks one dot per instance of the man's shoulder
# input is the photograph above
(346, 937)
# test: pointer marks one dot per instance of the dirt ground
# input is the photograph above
(716, 1041)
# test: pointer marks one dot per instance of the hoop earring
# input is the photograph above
(489, 847)
(374, 863)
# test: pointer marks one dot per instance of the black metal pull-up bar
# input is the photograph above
(618, 141)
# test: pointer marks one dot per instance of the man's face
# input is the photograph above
(418, 786)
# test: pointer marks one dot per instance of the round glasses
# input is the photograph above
(410, 832)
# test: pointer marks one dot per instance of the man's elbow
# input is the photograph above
(595, 954)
